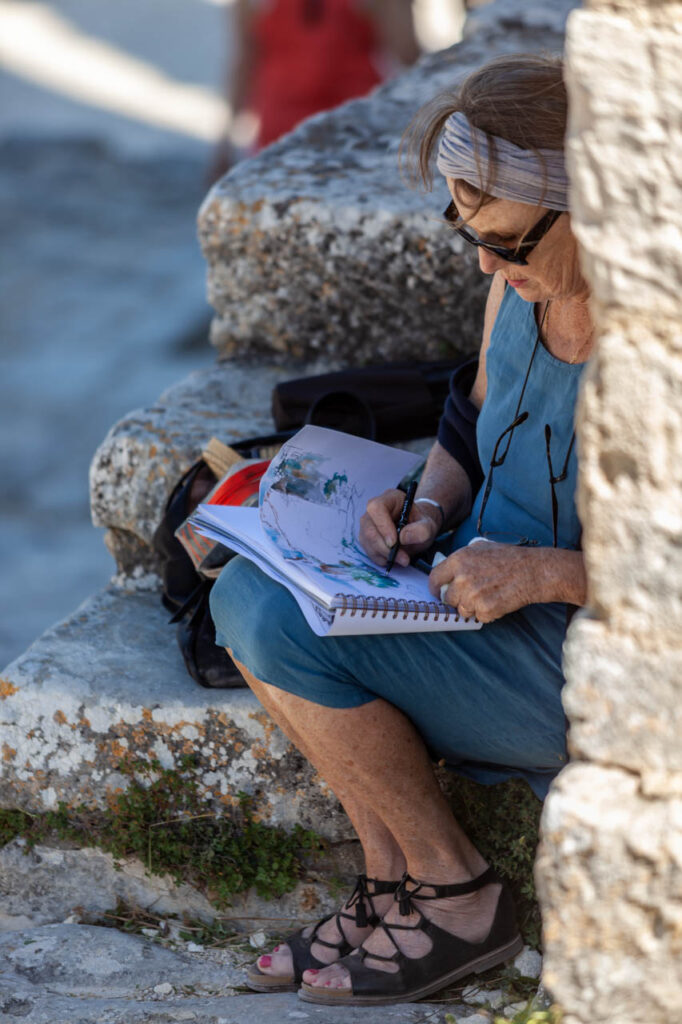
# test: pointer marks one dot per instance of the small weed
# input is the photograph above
(503, 821)
(530, 1016)
(13, 824)
(162, 819)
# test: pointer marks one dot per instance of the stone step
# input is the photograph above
(108, 684)
(68, 973)
(75, 974)
(139, 461)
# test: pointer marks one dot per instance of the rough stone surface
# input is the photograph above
(143, 456)
(529, 963)
(318, 246)
(108, 683)
(49, 885)
(45, 886)
(612, 719)
(75, 974)
(609, 870)
(610, 873)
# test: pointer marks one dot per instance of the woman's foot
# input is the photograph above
(332, 938)
(469, 916)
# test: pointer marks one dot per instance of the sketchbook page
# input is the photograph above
(325, 549)
(240, 528)
(312, 499)
(316, 458)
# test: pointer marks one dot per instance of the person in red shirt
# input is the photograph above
(295, 58)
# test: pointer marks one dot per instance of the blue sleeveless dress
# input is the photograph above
(487, 702)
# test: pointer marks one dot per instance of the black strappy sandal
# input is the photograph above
(301, 945)
(449, 959)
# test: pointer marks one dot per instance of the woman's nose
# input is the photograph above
(489, 262)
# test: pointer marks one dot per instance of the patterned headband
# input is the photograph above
(520, 174)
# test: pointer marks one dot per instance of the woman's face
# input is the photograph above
(552, 271)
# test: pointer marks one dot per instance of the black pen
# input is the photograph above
(404, 517)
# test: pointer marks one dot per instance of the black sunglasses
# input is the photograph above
(521, 251)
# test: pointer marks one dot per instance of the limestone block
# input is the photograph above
(45, 886)
(48, 885)
(109, 683)
(630, 495)
(624, 153)
(623, 702)
(609, 875)
(316, 245)
(143, 455)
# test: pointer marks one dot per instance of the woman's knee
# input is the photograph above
(252, 616)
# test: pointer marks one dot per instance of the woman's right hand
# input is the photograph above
(378, 531)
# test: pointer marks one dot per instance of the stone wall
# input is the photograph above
(610, 867)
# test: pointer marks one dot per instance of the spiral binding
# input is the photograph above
(382, 607)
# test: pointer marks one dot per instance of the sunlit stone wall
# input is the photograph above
(610, 865)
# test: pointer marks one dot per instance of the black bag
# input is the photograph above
(185, 591)
(394, 402)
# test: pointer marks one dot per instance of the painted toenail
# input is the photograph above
(265, 961)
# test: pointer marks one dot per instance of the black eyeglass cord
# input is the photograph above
(530, 365)
(520, 418)
(554, 480)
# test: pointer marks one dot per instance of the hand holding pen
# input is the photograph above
(402, 521)
(381, 521)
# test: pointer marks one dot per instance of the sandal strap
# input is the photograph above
(361, 896)
(404, 896)
(301, 947)
(449, 955)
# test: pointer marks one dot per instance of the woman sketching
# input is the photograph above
(371, 713)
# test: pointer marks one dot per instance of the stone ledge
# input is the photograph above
(48, 885)
(108, 684)
(77, 974)
(144, 454)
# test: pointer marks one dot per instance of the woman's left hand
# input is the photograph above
(486, 581)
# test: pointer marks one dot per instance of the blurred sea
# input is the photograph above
(109, 114)
(103, 285)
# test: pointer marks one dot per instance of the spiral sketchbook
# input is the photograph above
(304, 534)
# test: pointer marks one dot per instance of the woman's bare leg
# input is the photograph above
(383, 857)
(374, 755)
